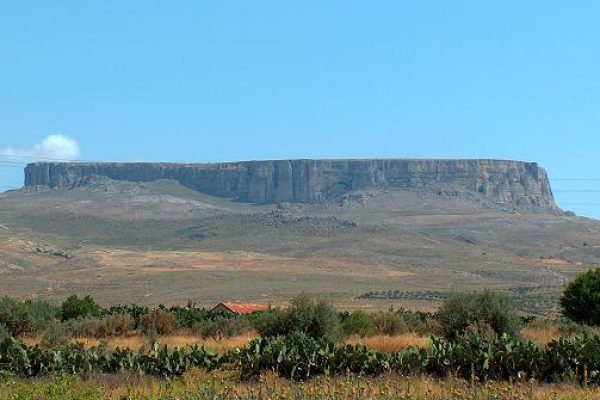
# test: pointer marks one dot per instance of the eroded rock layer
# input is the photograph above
(312, 181)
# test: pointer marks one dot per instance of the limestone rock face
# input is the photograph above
(312, 181)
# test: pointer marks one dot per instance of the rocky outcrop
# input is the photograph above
(311, 181)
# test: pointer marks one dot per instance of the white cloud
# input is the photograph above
(53, 147)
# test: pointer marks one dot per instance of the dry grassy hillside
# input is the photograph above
(161, 242)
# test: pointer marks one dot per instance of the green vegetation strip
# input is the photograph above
(299, 357)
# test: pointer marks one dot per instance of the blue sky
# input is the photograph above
(221, 81)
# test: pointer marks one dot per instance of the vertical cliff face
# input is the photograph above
(313, 181)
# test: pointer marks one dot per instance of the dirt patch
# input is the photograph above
(169, 261)
(555, 261)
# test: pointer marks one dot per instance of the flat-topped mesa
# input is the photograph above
(311, 181)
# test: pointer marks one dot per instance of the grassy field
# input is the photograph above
(382, 343)
(161, 243)
(540, 332)
(198, 385)
(246, 366)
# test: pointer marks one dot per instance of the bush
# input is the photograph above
(135, 311)
(42, 314)
(430, 327)
(75, 307)
(159, 321)
(57, 335)
(390, 323)
(570, 329)
(314, 319)
(273, 323)
(359, 323)
(110, 325)
(473, 311)
(580, 301)
(223, 327)
(419, 321)
(14, 317)
(325, 322)
(188, 317)
(4, 333)
(25, 316)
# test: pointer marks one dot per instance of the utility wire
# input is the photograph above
(18, 160)
(576, 191)
(575, 179)
(23, 160)
(12, 161)
(415, 174)
(16, 164)
(36, 158)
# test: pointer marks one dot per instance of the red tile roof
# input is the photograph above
(238, 308)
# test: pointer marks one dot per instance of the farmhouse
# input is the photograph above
(239, 308)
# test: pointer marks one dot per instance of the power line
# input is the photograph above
(577, 191)
(20, 160)
(580, 204)
(12, 161)
(36, 158)
(575, 179)
(10, 165)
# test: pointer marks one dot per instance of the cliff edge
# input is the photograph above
(514, 183)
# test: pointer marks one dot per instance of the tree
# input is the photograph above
(315, 319)
(477, 312)
(25, 316)
(580, 301)
(359, 322)
(75, 307)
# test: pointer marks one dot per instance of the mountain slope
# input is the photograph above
(161, 241)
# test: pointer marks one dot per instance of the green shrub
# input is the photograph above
(274, 322)
(75, 307)
(418, 321)
(57, 335)
(395, 322)
(430, 327)
(472, 311)
(188, 317)
(14, 317)
(359, 323)
(135, 311)
(316, 319)
(41, 312)
(580, 301)
(25, 316)
(570, 329)
(390, 323)
(325, 323)
(4, 333)
(223, 327)
(109, 325)
(159, 321)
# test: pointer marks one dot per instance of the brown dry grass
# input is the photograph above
(31, 340)
(236, 261)
(537, 332)
(219, 345)
(401, 242)
(202, 385)
(540, 333)
(135, 342)
(382, 343)
(390, 344)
